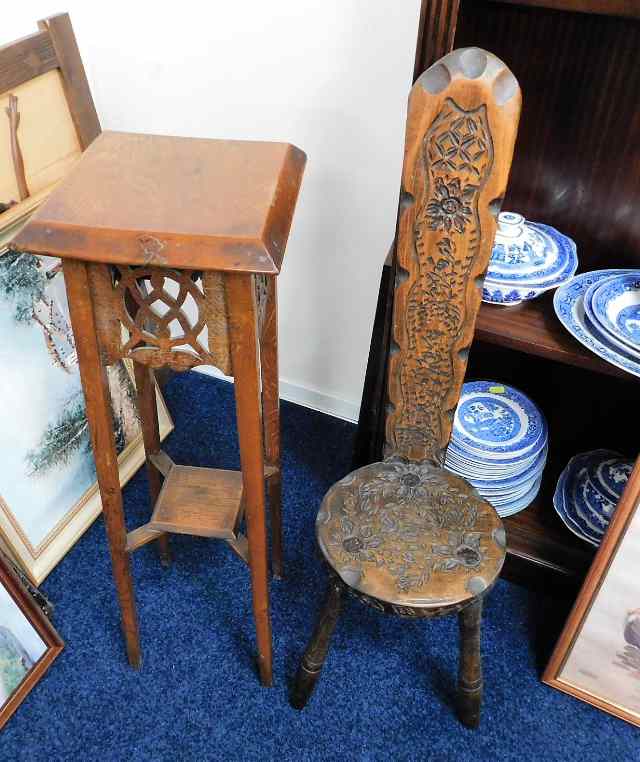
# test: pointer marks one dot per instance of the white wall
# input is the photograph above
(331, 76)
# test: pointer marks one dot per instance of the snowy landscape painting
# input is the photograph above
(48, 494)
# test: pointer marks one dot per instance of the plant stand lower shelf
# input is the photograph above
(206, 502)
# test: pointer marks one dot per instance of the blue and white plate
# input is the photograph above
(560, 504)
(598, 329)
(497, 422)
(580, 498)
(492, 468)
(568, 302)
(487, 477)
(616, 304)
(499, 444)
(530, 473)
(611, 475)
(519, 505)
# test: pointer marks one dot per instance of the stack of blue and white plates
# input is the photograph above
(528, 258)
(588, 492)
(498, 444)
(602, 310)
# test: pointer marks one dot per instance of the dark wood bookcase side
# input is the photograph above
(575, 168)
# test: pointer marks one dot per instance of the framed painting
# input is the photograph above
(28, 642)
(597, 658)
(48, 490)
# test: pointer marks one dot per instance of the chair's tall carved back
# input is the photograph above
(461, 129)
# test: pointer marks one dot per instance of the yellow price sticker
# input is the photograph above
(497, 389)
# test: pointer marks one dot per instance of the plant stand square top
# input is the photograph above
(173, 202)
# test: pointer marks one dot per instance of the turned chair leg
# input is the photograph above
(316, 653)
(271, 421)
(148, 412)
(470, 675)
(246, 372)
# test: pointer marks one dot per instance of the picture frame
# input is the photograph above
(47, 119)
(48, 491)
(29, 644)
(597, 657)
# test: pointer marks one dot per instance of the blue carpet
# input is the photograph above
(387, 688)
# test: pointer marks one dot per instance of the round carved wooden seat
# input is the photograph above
(411, 538)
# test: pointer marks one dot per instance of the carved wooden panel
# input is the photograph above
(461, 129)
(158, 316)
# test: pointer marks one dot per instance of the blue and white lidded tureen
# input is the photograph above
(528, 258)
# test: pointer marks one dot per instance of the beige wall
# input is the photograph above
(331, 76)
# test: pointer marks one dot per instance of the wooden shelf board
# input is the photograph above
(538, 536)
(533, 327)
(628, 8)
(200, 501)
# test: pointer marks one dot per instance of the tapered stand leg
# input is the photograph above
(148, 411)
(244, 358)
(316, 653)
(470, 677)
(271, 421)
(99, 417)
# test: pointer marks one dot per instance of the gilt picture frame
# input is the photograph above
(48, 491)
(28, 642)
(597, 658)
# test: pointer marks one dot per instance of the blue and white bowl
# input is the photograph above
(499, 444)
(571, 307)
(528, 258)
(616, 306)
(598, 326)
(588, 491)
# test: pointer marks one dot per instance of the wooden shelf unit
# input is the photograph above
(533, 327)
(576, 61)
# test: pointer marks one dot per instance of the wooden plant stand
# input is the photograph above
(171, 247)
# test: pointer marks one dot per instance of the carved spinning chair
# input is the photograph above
(405, 536)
